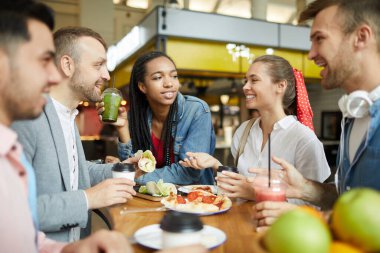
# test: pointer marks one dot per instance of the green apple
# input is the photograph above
(356, 218)
(298, 231)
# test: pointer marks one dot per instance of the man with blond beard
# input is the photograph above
(68, 186)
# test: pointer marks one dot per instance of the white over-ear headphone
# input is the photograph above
(354, 105)
(357, 103)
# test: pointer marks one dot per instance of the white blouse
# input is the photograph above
(291, 141)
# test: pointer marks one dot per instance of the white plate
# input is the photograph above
(201, 213)
(189, 188)
(151, 236)
(199, 210)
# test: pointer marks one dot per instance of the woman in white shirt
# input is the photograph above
(278, 92)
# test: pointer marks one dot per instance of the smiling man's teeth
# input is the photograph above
(320, 64)
(250, 96)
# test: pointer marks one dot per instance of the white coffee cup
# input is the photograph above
(180, 229)
(124, 170)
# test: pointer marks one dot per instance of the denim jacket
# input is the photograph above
(364, 171)
(195, 133)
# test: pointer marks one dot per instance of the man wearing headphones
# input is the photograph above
(345, 38)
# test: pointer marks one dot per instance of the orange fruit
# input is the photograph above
(341, 247)
(314, 212)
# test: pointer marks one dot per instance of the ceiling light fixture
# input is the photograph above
(269, 51)
(239, 51)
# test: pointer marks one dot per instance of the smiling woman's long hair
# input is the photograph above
(138, 111)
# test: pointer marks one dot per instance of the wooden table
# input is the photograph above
(236, 223)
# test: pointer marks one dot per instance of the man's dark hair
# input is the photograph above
(29, 9)
(14, 15)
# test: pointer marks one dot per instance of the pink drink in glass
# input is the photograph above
(269, 194)
(276, 191)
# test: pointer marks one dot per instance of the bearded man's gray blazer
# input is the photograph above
(59, 208)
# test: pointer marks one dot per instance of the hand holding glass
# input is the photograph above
(111, 98)
(274, 192)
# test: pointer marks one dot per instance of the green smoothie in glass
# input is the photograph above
(111, 99)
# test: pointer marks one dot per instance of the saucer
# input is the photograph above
(151, 236)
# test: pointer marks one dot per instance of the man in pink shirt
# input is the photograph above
(27, 71)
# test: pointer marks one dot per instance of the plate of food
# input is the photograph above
(155, 191)
(151, 236)
(208, 188)
(199, 202)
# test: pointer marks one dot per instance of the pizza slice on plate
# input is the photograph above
(206, 188)
(197, 201)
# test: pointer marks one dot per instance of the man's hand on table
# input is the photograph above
(109, 192)
(101, 241)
